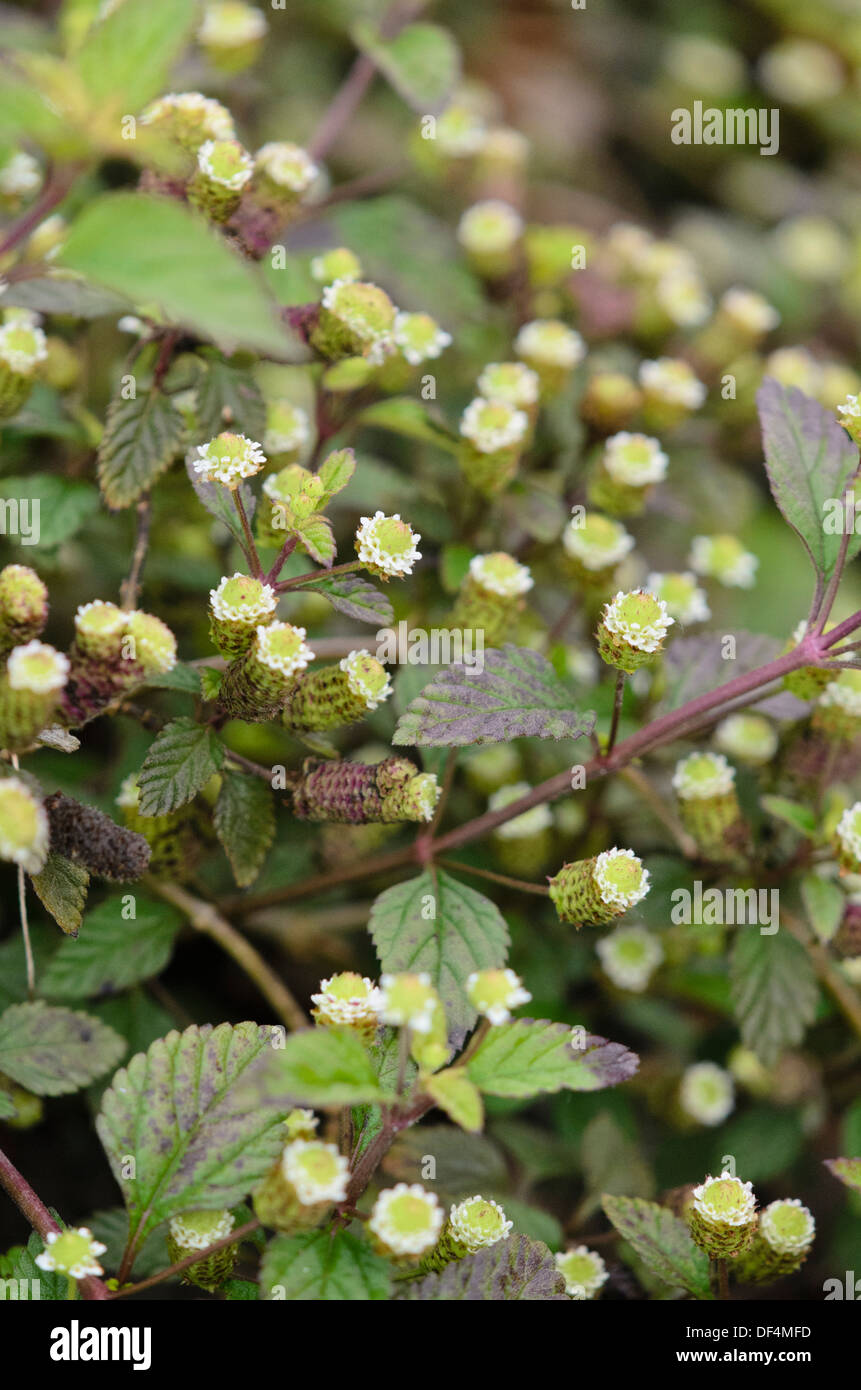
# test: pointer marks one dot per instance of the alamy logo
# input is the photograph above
(20, 1290)
(719, 907)
(713, 126)
(437, 646)
(848, 1288)
(76, 1343)
(20, 519)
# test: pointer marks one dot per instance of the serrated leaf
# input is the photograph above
(801, 818)
(847, 1170)
(111, 1227)
(355, 598)
(219, 503)
(315, 533)
(336, 471)
(464, 1163)
(695, 664)
(437, 924)
(63, 505)
(228, 398)
(514, 1269)
(153, 249)
(774, 991)
(127, 56)
(663, 1241)
(809, 459)
(406, 416)
(319, 1067)
(529, 1056)
(459, 1097)
(244, 823)
(61, 888)
(31, 1282)
(175, 1110)
(142, 438)
(180, 762)
(112, 953)
(182, 677)
(53, 1051)
(422, 62)
(612, 1162)
(64, 294)
(824, 902)
(324, 1266)
(211, 681)
(516, 695)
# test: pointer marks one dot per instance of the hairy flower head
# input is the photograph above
(549, 343)
(595, 541)
(190, 118)
(490, 226)
(638, 619)
(22, 347)
(367, 678)
(282, 647)
(702, 776)
(707, 1093)
(73, 1252)
(478, 1222)
(408, 1001)
(288, 429)
(620, 878)
(24, 829)
(406, 1219)
(725, 1201)
(584, 1272)
(228, 458)
(494, 993)
(346, 999)
(287, 166)
(387, 545)
(499, 573)
(37, 667)
(419, 337)
(630, 956)
(724, 558)
(671, 380)
(226, 163)
(338, 264)
(366, 312)
(240, 598)
(153, 642)
(511, 382)
(748, 311)
(635, 459)
(685, 600)
(684, 297)
(787, 1226)
(491, 426)
(197, 1230)
(317, 1172)
(749, 737)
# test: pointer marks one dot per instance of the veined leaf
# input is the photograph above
(355, 598)
(825, 904)
(64, 294)
(422, 62)
(63, 504)
(406, 416)
(127, 56)
(774, 991)
(529, 1056)
(52, 1051)
(228, 398)
(320, 1067)
(517, 1268)
(516, 695)
(316, 535)
(847, 1170)
(244, 823)
(437, 924)
(324, 1266)
(111, 953)
(61, 888)
(180, 762)
(459, 1097)
(142, 438)
(175, 1110)
(663, 1242)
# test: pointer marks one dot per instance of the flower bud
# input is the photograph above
(630, 466)
(337, 264)
(348, 1000)
(197, 1230)
(231, 34)
(228, 459)
(494, 993)
(237, 608)
(723, 1216)
(724, 558)
(288, 433)
(301, 1124)
(686, 601)
(23, 606)
(632, 630)
(705, 786)
(73, 1252)
(224, 169)
(595, 545)
(671, 392)
(357, 793)
(149, 642)
(490, 233)
(781, 1244)
(494, 436)
(838, 710)
(610, 402)
(301, 1189)
(552, 350)
(24, 831)
(491, 597)
(749, 737)
(629, 957)
(707, 1093)
(89, 837)
(357, 319)
(387, 546)
(99, 630)
(474, 1224)
(30, 692)
(406, 1221)
(22, 347)
(408, 1001)
(283, 175)
(174, 846)
(28, 1110)
(189, 119)
(600, 889)
(584, 1272)
(256, 684)
(847, 838)
(335, 696)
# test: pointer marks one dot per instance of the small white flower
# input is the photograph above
(849, 831)
(851, 407)
(583, 1270)
(406, 1219)
(367, 678)
(672, 380)
(24, 828)
(408, 1001)
(550, 342)
(630, 956)
(228, 24)
(282, 647)
(494, 993)
(199, 1235)
(635, 459)
(347, 999)
(228, 459)
(419, 337)
(213, 120)
(233, 173)
(749, 310)
(707, 1093)
(288, 429)
(596, 541)
(20, 175)
(625, 622)
(477, 1223)
(317, 1172)
(683, 296)
(490, 226)
(491, 426)
(749, 737)
(607, 879)
(499, 573)
(72, 1252)
(725, 559)
(702, 776)
(388, 544)
(787, 1226)
(37, 667)
(512, 382)
(287, 165)
(239, 598)
(104, 618)
(725, 1201)
(22, 346)
(685, 600)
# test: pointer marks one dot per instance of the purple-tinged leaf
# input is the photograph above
(517, 1268)
(848, 1170)
(663, 1241)
(695, 665)
(529, 1056)
(355, 598)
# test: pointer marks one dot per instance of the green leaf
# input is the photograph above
(612, 1162)
(63, 506)
(180, 677)
(180, 762)
(422, 62)
(516, 695)
(437, 924)
(336, 471)
(406, 416)
(801, 818)
(465, 1163)
(57, 293)
(219, 503)
(30, 1281)
(315, 533)
(244, 823)
(111, 1227)
(513, 1269)
(767, 1140)
(174, 1109)
(324, 1266)
(825, 903)
(8, 1108)
(810, 460)
(847, 1170)
(774, 991)
(127, 56)
(663, 1242)
(52, 1051)
(355, 598)
(112, 953)
(228, 398)
(61, 888)
(319, 1067)
(459, 1097)
(142, 438)
(152, 249)
(529, 1056)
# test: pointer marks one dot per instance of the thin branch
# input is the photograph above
(250, 548)
(204, 918)
(35, 1211)
(55, 190)
(540, 889)
(283, 555)
(239, 1234)
(316, 575)
(617, 710)
(847, 999)
(643, 787)
(130, 587)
